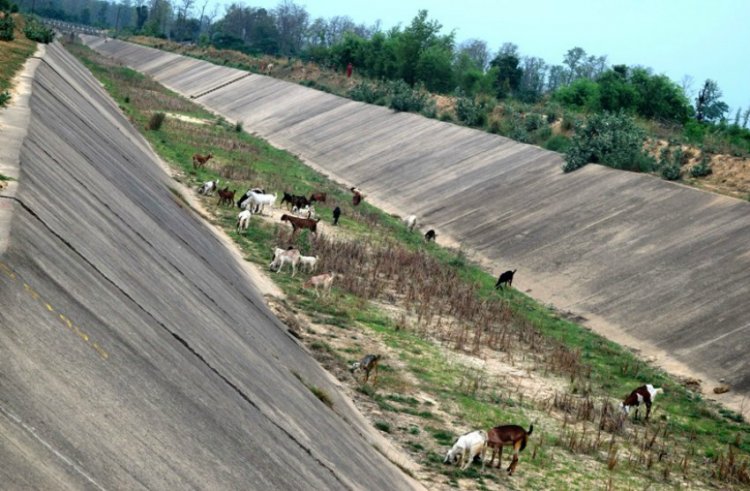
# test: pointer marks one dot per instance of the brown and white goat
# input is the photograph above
(644, 394)
(510, 435)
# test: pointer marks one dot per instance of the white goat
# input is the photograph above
(466, 448)
(290, 256)
(324, 281)
(259, 201)
(410, 222)
(243, 220)
(307, 211)
(309, 261)
(209, 187)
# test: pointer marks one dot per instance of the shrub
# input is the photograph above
(4, 98)
(670, 172)
(383, 426)
(238, 126)
(557, 143)
(7, 26)
(404, 98)
(36, 31)
(702, 168)
(469, 111)
(157, 119)
(367, 92)
(533, 122)
(609, 139)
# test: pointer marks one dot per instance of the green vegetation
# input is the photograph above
(36, 31)
(13, 54)
(688, 438)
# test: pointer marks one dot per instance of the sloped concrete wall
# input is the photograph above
(643, 259)
(133, 351)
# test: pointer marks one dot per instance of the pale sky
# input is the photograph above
(700, 38)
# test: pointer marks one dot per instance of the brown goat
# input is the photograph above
(300, 223)
(200, 160)
(319, 197)
(226, 196)
(510, 435)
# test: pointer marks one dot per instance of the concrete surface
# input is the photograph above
(653, 264)
(134, 352)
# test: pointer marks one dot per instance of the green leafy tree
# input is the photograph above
(708, 104)
(507, 71)
(7, 26)
(609, 139)
(581, 94)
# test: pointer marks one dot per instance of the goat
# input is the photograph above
(368, 363)
(410, 222)
(208, 187)
(357, 199)
(304, 212)
(643, 394)
(287, 198)
(200, 160)
(430, 235)
(258, 201)
(301, 223)
(511, 435)
(281, 257)
(246, 196)
(336, 215)
(324, 281)
(505, 278)
(243, 220)
(226, 196)
(319, 197)
(466, 448)
(310, 261)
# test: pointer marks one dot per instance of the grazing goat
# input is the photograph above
(282, 257)
(511, 435)
(250, 192)
(300, 223)
(200, 160)
(324, 281)
(257, 202)
(243, 220)
(226, 196)
(304, 212)
(643, 394)
(309, 261)
(356, 199)
(505, 278)
(319, 197)
(336, 215)
(466, 448)
(430, 235)
(368, 363)
(410, 222)
(208, 187)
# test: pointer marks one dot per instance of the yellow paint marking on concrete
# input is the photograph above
(31, 291)
(8, 271)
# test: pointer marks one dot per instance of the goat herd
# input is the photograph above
(470, 446)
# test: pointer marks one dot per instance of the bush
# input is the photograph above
(157, 119)
(702, 168)
(369, 93)
(36, 31)
(469, 111)
(557, 143)
(404, 98)
(608, 139)
(7, 27)
(238, 126)
(4, 98)
(670, 172)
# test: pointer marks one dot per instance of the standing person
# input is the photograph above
(349, 69)
(336, 215)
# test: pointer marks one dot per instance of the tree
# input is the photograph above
(475, 50)
(420, 35)
(708, 106)
(508, 72)
(291, 24)
(532, 79)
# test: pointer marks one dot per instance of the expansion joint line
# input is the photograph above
(196, 96)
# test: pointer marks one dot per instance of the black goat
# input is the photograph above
(336, 215)
(430, 235)
(505, 278)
